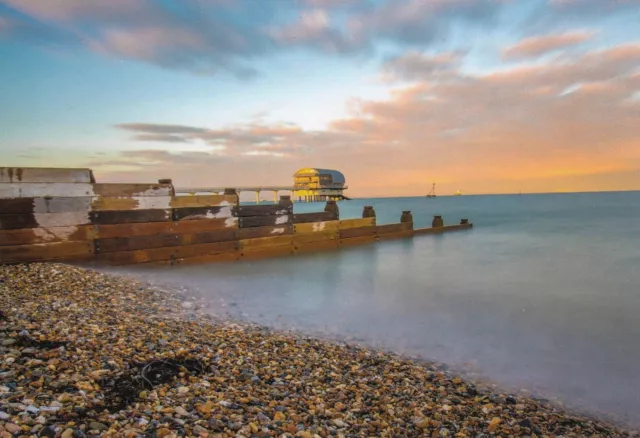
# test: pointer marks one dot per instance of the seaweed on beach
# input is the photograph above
(27, 342)
(125, 389)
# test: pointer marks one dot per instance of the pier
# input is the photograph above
(310, 185)
(238, 190)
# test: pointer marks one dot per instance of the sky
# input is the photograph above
(481, 96)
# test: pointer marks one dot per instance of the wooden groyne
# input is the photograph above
(64, 215)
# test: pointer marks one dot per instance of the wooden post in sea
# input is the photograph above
(168, 181)
(368, 211)
(406, 217)
(437, 222)
(285, 201)
(332, 206)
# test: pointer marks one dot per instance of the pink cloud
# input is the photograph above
(479, 133)
(539, 45)
(65, 10)
(416, 65)
(146, 43)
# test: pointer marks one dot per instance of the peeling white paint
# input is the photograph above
(231, 222)
(318, 226)
(36, 190)
(282, 220)
(47, 220)
(43, 175)
(62, 205)
(223, 213)
(60, 233)
(152, 203)
(278, 230)
(224, 203)
(153, 192)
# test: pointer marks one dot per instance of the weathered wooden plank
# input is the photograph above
(194, 226)
(133, 243)
(44, 251)
(358, 232)
(131, 203)
(315, 227)
(264, 210)
(394, 228)
(357, 240)
(30, 236)
(265, 221)
(356, 223)
(315, 237)
(195, 213)
(43, 220)
(311, 247)
(396, 235)
(16, 205)
(117, 190)
(323, 216)
(62, 205)
(227, 235)
(253, 233)
(228, 257)
(45, 175)
(444, 229)
(263, 253)
(167, 253)
(266, 242)
(37, 190)
(129, 216)
(116, 244)
(85, 203)
(203, 201)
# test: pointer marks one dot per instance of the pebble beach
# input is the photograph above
(84, 353)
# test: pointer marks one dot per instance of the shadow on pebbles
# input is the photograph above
(87, 354)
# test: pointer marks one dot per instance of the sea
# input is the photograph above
(541, 296)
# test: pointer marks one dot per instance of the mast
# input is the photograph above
(432, 193)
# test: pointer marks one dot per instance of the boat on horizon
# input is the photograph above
(432, 193)
(458, 193)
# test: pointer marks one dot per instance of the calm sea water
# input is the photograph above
(543, 294)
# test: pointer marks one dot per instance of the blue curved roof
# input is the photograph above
(336, 176)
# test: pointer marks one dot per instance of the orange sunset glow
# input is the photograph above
(484, 97)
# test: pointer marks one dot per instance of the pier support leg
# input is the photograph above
(275, 196)
(257, 197)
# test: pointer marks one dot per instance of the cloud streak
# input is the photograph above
(539, 45)
(276, 140)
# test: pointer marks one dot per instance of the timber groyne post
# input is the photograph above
(368, 211)
(406, 217)
(285, 201)
(332, 207)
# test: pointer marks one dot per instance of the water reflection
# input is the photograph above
(528, 298)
